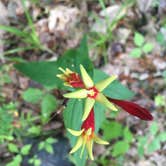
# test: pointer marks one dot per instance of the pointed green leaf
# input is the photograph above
(136, 53)
(45, 72)
(138, 39)
(148, 47)
(111, 130)
(128, 136)
(115, 89)
(13, 148)
(120, 148)
(48, 106)
(26, 149)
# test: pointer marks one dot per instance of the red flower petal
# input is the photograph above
(133, 108)
(89, 122)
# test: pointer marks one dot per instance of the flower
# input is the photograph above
(92, 92)
(86, 136)
(73, 79)
(70, 78)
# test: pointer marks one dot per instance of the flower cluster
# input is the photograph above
(93, 93)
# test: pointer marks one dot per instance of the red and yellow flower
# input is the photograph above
(92, 93)
(86, 136)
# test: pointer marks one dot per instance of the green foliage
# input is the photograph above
(16, 161)
(47, 145)
(5, 78)
(119, 148)
(151, 142)
(141, 46)
(138, 39)
(29, 37)
(32, 95)
(13, 148)
(19, 153)
(6, 117)
(128, 136)
(48, 105)
(136, 53)
(35, 130)
(111, 130)
(160, 101)
(115, 89)
(72, 119)
(25, 149)
(161, 36)
(45, 72)
(35, 161)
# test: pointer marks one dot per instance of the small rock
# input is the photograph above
(159, 64)
(144, 5)
(61, 18)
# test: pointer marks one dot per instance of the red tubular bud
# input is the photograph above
(133, 109)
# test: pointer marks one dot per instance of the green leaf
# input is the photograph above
(162, 137)
(148, 47)
(115, 90)
(111, 130)
(26, 149)
(37, 162)
(48, 106)
(16, 161)
(136, 53)
(99, 111)
(35, 130)
(154, 128)
(49, 148)
(128, 136)
(41, 145)
(142, 141)
(51, 140)
(138, 39)
(161, 38)
(153, 146)
(141, 150)
(160, 100)
(32, 95)
(14, 31)
(13, 148)
(72, 116)
(119, 148)
(45, 72)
